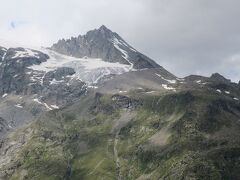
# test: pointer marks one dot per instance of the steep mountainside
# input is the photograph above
(105, 44)
(94, 108)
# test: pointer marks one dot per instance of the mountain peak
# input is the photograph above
(103, 31)
(104, 44)
(103, 27)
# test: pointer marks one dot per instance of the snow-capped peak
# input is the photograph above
(104, 44)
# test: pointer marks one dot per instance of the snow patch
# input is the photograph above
(18, 105)
(200, 82)
(46, 105)
(180, 79)
(150, 92)
(54, 106)
(26, 53)
(37, 101)
(93, 87)
(165, 86)
(122, 91)
(54, 81)
(4, 95)
(227, 92)
(218, 90)
(168, 80)
(10, 126)
(116, 44)
(4, 55)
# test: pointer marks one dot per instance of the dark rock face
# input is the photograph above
(13, 70)
(113, 103)
(219, 78)
(105, 44)
(57, 75)
(120, 101)
(17, 77)
(2, 53)
(62, 93)
(25, 93)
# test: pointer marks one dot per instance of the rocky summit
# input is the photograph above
(105, 44)
(93, 107)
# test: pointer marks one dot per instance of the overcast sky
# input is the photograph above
(184, 36)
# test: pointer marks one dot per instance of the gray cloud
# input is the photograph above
(186, 37)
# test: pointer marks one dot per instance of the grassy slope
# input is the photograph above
(186, 135)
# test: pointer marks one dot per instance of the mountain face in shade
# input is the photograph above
(105, 44)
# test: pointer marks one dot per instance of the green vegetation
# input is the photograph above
(184, 135)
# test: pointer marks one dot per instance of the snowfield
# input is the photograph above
(86, 69)
(117, 43)
(26, 53)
